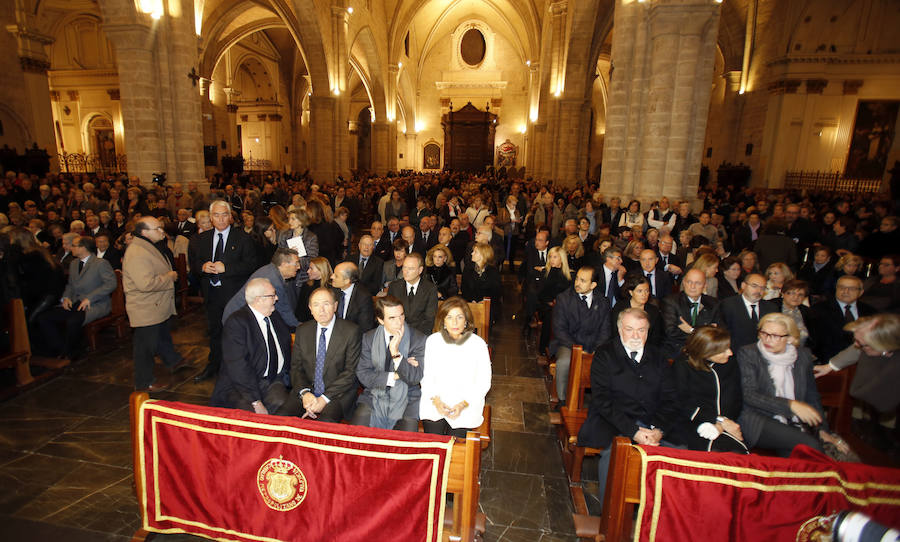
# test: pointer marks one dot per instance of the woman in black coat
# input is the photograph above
(483, 279)
(439, 268)
(557, 277)
(637, 295)
(709, 389)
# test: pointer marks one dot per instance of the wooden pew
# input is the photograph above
(623, 493)
(574, 413)
(116, 316)
(481, 314)
(834, 389)
(19, 354)
(463, 522)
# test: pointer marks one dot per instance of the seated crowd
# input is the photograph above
(706, 328)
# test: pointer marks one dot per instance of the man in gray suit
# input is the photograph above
(390, 369)
(283, 268)
(85, 299)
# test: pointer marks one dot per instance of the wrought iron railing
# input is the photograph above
(831, 181)
(77, 162)
(257, 165)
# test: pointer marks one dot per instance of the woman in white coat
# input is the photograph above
(457, 373)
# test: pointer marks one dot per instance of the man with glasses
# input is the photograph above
(740, 314)
(256, 363)
(828, 318)
(283, 267)
(149, 283)
(684, 311)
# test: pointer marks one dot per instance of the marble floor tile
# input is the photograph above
(536, 418)
(112, 509)
(27, 428)
(95, 440)
(499, 489)
(505, 533)
(79, 482)
(559, 505)
(527, 453)
(15, 529)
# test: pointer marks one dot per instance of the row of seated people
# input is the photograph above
(721, 398)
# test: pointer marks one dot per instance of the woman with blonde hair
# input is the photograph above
(574, 252)
(848, 264)
(318, 276)
(439, 269)
(782, 407)
(709, 264)
(708, 380)
(557, 277)
(457, 375)
(777, 274)
(876, 353)
(279, 218)
(482, 279)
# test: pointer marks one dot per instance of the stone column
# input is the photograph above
(139, 97)
(324, 119)
(663, 55)
(414, 161)
(381, 148)
(35, 86)
(725, 146)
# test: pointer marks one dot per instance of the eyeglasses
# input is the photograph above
(849, 288)
(273, 296)
(771, 336)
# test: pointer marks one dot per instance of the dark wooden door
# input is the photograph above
(469, 139)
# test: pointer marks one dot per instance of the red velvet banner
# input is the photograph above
(746, 498)
(232, 475)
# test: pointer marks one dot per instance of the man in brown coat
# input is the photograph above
(149, 283)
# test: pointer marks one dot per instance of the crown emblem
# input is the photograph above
(281, 484)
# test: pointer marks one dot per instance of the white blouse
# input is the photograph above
(456, 373)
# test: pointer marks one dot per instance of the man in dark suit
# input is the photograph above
(323, 367)
(660, 280)
(419, 297)
(671, 261)
(740, 314)
(85, 299)
(684, 311)
(581, 315)
(223, 258)
(458, 242)
(256, 365)
(185, 226)
(106, 251)
(828, 318)
(426, 237)
(380, 246)
(610, 274)
(371, 267)
(354, 300)
(390, 369)
(817, 270)
(65, 256)
(283, 267)
(632, 392)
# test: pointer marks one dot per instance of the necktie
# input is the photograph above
(220, 249)
(753, 314)
(425, 236)
(319, 379)
(542, 258)
(388, 360)
(412, 294)
(848, 316)
(611, 284)
(694, 307)
(273, 351)
(80, 266)
(362, 263)
(341, 307)
(652, 286)
(633, 355)
(584, 299)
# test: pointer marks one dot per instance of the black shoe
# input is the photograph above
(208, 372)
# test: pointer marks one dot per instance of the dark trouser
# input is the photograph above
(546, 315)
(275, 398)
(50, 322)
(149, 341)
(782, 438)
(603, 469)
(441, 427)
(215, 306)
(363, 416)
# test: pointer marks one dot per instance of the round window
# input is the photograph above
(472, 47)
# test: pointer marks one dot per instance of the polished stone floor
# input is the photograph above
(65, 451)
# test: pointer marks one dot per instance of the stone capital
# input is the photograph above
(34, 65)
(559, 8)
(113, 94)
(130, 36)
(680, 19)
(816, 86)
(231, 108)
(851, 86)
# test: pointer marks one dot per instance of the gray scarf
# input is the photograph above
(388, 403)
